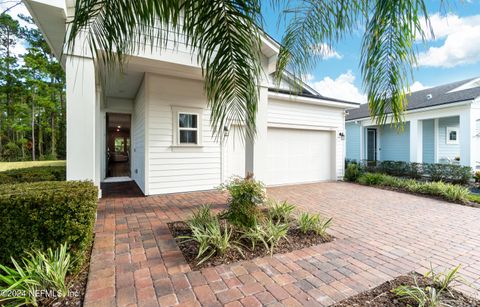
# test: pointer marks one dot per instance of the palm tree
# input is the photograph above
(225, 35)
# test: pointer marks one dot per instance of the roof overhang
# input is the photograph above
(426, 109)
(50, 17)
(311, 100)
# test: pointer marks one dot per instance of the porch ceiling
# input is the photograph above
(125, 83)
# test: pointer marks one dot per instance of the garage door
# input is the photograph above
(297, 156)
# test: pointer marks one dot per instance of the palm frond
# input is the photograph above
(311, 25)
(222, 33)
(388, 55)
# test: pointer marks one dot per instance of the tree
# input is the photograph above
(226, 36)
(32, 91)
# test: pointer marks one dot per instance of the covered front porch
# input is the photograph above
(449, 136)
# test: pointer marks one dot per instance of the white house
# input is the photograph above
(151, 123)
(442, 125)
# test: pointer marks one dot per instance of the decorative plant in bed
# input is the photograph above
(250, 227)
(429, 290)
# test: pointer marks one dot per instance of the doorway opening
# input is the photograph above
(118, 145)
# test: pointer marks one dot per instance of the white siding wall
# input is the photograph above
(138, 139)
(308, 116)
(178, 169)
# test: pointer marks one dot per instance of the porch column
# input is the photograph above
(256, 149)
(467, 137)
(416, 140)
(81, 94)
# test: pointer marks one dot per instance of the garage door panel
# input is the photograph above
(296, 156)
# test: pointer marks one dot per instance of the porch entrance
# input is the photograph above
(118, 145)
(371, 144)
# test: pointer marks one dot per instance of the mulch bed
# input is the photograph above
(382, 296)
(296, 240)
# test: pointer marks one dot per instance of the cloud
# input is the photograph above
(326, 52)
(417, 86)
(460, 35)
(342, 87)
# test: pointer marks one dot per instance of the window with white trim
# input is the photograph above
(452, 135)
(187, 126)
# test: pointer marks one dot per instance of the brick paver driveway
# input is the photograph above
(379, 235)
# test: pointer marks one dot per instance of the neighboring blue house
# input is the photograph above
(442, 125)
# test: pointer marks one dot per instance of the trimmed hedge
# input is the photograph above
(46, 214)
(431, 171)
(33, 174)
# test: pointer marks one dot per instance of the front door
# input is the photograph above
(118, 145)
(371, 144)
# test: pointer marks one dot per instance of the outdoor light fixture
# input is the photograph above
(342, 135)
(225, 131)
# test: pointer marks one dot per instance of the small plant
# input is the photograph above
(201, 217)
(246, 194)
(430, 295)
(40, 271)
(281, 211)
(212, 239)
(313, 222)
(274, 233)
(352, 172)
(255, 234)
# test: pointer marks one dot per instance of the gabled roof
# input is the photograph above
(464, 90)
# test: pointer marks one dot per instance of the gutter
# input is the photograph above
(440, 106)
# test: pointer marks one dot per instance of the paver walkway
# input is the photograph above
(379, 235)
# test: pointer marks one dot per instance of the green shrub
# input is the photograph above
(372, 179)
(212, 239)
(246, 194)
(313, 222)
(448, 173)
(39, 271)
(448, 191)
(33, 174)
(274, 233)
(352, 172)
(476, 176)
(281, 211)
(42, 215)
(255, 234)
(201, 217)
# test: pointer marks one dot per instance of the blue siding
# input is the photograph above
(429, 141)
(395, 145)
(447, 150)
(352, 141)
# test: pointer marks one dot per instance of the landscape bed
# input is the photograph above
(383, 296)
(295, 240)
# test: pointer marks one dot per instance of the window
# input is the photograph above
(187, 126)
(452, 135)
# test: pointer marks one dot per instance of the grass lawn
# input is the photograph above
(5, 166)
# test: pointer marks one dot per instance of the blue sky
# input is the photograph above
(453, 55)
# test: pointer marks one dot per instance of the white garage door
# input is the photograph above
(296, 156)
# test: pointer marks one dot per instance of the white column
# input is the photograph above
(467, 135)
(256, 149)
(82, 156)
(416, 140)
(436, 141)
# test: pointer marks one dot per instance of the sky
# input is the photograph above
(452, 55)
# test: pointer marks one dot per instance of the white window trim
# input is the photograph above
(447, 136)
(176, 111)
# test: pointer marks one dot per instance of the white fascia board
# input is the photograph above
(314, 101)
(432, 108)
